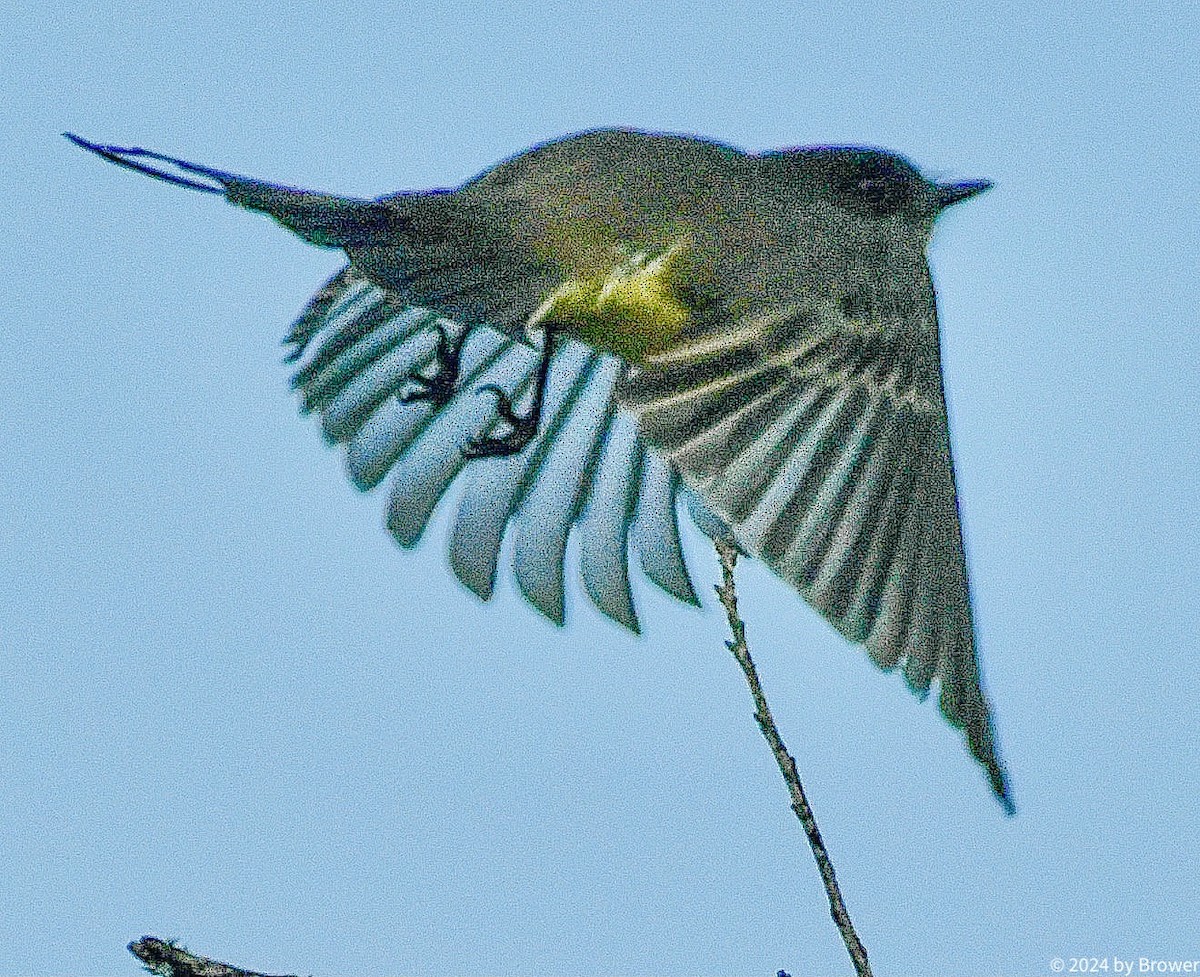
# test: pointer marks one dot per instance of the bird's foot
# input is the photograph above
(439, 387)
(522, 428)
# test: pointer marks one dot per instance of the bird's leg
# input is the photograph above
(523, 426)
(439, 387)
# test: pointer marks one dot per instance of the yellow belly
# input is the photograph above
(633, 309)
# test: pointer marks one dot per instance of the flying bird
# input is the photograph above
(606, 323)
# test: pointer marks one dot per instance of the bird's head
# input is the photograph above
(873, 183)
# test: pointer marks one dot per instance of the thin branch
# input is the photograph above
(165, 958)
(787, 766)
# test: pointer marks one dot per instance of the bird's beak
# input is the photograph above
(953, 193)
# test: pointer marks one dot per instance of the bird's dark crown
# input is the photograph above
(862, 179)
(872, 182)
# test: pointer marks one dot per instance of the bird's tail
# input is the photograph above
(322, 219)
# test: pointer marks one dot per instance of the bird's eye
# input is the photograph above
(883, 195)
(876, 186)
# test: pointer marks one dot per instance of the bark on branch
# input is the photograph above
(165, 958)
(787, 765)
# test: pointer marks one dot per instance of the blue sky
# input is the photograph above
(236, 714)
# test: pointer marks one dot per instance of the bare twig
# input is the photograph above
(787, 765)
(164, 958)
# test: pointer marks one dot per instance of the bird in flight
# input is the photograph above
(609, 323)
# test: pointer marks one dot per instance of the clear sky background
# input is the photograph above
(233, 712)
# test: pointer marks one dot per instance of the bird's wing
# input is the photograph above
(817, 431)
(587, 471)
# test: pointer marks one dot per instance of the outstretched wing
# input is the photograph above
(817, 431)
(587, 471)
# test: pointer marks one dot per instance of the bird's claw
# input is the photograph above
(523, 428)
(439, 388)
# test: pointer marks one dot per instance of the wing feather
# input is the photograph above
(355, 346)
(426, 468)
(817, 437)
(821, 439)
(392, 426)
(604, 525)
(656, 530)
(552, 503)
